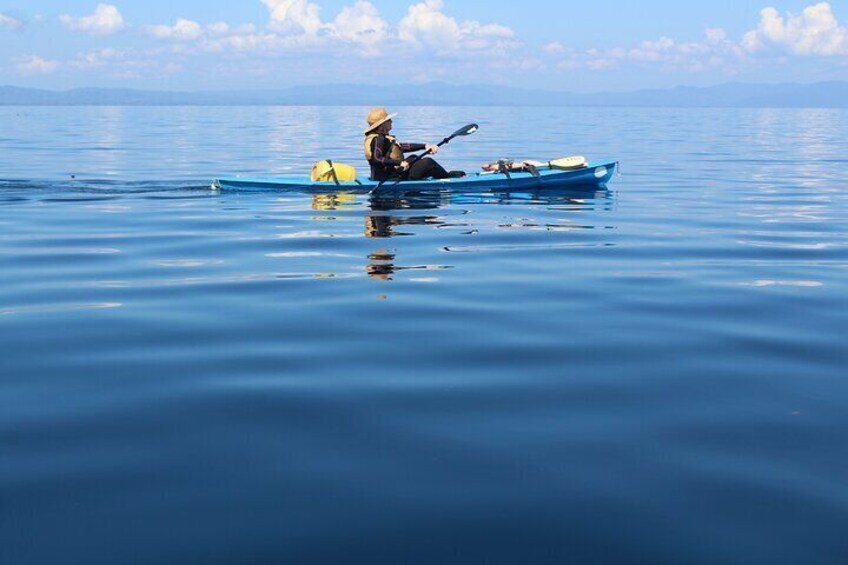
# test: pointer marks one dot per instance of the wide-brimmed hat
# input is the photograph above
(377, 117)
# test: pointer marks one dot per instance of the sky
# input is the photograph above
(599, 45)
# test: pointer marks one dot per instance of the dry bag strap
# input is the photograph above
(333, 172)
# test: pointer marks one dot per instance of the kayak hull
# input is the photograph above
(597, 173)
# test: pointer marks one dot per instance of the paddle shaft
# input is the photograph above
(413, 159)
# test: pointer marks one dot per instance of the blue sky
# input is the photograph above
(585, 46)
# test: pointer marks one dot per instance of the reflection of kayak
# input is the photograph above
(596, 173)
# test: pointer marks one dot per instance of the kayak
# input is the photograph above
(593, 175)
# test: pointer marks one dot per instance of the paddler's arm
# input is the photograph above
(409, 147)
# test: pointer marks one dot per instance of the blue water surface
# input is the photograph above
(651, 373)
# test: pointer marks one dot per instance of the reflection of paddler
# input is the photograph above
(332, 201)
(381, 266)
(379, 226)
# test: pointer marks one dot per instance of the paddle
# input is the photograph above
(564, 163)
(467, 130)
(506, 166)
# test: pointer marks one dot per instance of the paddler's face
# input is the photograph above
(388, 125)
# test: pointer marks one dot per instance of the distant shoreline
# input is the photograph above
(730, 95)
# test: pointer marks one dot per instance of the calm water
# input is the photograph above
(650, 374)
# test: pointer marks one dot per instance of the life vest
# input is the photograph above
(395, 151)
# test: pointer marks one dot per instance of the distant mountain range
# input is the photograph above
(738, 95)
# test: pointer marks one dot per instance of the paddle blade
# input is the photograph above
(467, 130)
(566, 163)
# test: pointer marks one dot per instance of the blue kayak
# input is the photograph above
(595, 174)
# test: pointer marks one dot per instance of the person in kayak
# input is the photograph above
(385, 154)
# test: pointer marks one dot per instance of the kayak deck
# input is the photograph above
(596, 173)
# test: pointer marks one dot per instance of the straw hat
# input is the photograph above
(377, 117)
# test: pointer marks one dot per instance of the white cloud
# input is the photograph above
(426, 26)
(97, 59)
(715, 35)
(519, 64)
(221, 34)
(715, 51)
(294, 16)
(360, 23)
(358, 29)
(10, 22)
(124, 64)
(815, 31)
(652, 50)
(554, 47)
(240, 42)
(105, 20)
(267, 44)
(36, 65)
(219, 28)
(182, 30)
(296, 26)
(601, 64)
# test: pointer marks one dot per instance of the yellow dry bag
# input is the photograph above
(329, 171)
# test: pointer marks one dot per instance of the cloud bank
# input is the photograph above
(815, 32)
(296, 30)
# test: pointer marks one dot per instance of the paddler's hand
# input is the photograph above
(404, 166)
(433, 149)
